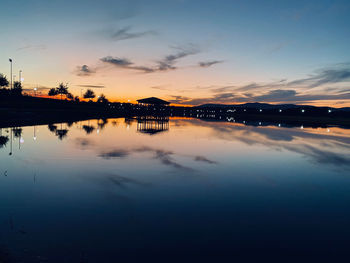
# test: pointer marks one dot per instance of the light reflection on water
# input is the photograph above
(101, 189)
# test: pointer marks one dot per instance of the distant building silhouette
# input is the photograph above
(153, 101)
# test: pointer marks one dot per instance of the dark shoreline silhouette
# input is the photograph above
(26, 110)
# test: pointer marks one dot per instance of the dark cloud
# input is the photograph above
(321, 156)
(92, 86)
(165, 157)
(332, 150)
(209, 63)
(280, 91)
(125, 63)
(84, 143)
(165, 64)
(84, 70)
(119, 62)
(325, 76)
(125, 33)
(281, 96)
(123, 182)
(113, 154)
(203, 159)
(168, 62)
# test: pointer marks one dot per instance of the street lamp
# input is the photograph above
(35, 89)
(11, 70)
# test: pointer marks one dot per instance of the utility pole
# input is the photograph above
(11, 71)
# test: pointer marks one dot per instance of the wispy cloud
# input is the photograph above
(204, 159)
(165, 64)
(325, 76)
(125, 64)
(32, 47)
(159, 87)
(92, 86)
(208, 64)
(127, 33)
(168, 62)
(115, 153)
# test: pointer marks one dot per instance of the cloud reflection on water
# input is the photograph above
(318, 147)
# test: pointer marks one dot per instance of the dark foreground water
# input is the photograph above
(119, 191)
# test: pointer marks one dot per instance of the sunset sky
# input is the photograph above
(189, 52)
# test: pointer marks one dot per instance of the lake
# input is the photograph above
(187, 190)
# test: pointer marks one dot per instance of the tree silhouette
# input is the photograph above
(62, 89)
(61, 133)
(52, 127)
(3, 81)
(89, 94)
(3, 141)
(76, 99)
(17, 132)
(70, 96)
(102, 99)
(88, 129)
(52, 92)
(17, 88)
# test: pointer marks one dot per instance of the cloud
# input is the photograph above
(84, 143)
(84, 70)
(164, 157)
(123, 182)
(125, 63)
(119, 62)
(209, 63)
(281, 96)
(125, 33)
(92, 86)
(32, 47)
(325, 76)
(203, 159)
(318, 87)
(165, 64)
(332, 150)
(113, 154)
(159, 87)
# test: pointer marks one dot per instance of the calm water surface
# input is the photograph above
(108, 191)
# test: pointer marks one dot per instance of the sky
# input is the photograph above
(188, 52)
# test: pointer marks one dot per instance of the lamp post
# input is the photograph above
(11, 70)
(20, 76)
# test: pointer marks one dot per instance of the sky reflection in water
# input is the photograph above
(102, 189)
